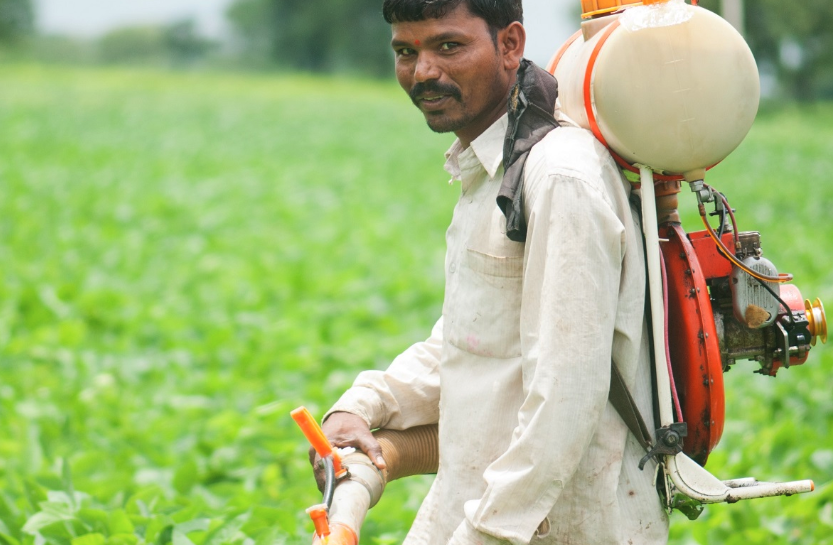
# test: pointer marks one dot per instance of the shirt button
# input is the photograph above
(452, 267)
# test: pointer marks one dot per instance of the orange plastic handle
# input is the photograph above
(312, 431)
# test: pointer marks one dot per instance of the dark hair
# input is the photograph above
(498, 14)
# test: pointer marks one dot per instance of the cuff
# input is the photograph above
(466, 534)
(364, 403)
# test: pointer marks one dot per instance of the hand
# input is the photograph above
(347, 430)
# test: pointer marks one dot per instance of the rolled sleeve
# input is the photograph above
(405, 395)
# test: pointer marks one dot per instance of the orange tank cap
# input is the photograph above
(594, 8)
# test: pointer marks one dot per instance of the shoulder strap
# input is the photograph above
(622, 400)
(669, 439)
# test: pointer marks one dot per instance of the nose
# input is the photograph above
(426, 68)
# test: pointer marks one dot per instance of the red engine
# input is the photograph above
(719, 313)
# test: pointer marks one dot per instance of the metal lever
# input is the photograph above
(669, 442)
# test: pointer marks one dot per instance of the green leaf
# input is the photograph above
(119, 522)
(180, 538)
(122, 539)
(225, 533)
(66, 475)
(95, 519)
(271, 536)
(60, 498)
(7, 505)
(185, 477)
(194, 525)
(165, 535)
(8, 540)
(35, 493)
(156, 527)
(50, 514)
(89, 539)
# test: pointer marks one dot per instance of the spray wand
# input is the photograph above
(333, 471)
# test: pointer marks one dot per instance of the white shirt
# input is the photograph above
(517, 370)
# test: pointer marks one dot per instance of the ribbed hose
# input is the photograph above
(414, 451)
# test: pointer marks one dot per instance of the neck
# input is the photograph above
(478, 126)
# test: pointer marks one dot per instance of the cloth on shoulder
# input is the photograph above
(531, 118)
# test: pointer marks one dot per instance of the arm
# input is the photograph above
(574, 254)
(405, 395)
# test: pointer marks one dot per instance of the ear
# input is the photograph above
(511, 42)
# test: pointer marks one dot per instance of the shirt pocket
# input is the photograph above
(484, 316)
(492, 265)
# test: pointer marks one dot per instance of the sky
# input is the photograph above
(548, 22)
(94, 17)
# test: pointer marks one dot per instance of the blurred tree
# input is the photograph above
(178, 43)
(133, 44)
(341, 35)
(17, 18)
(793, 40)
(183, 43)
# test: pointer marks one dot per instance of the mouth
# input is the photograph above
(433, 102)
(433, 97)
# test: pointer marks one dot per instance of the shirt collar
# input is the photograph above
(486, 148)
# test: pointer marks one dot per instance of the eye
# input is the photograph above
(404, 52)
(448, 46)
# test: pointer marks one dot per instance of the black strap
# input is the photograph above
(622, 400)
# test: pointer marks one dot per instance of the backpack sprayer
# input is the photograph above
(671, 89)
(688, 75)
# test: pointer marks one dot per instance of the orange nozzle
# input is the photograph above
(312, 431)
(318, 514)
(341, 535)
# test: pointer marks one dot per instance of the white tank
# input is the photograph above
(673, 86)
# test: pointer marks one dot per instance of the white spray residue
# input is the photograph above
(673, 12)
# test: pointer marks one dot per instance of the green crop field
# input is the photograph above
(184, 258)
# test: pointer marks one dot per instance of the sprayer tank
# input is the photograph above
(671, 86)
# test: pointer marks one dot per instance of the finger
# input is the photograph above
(320, 477)
(317, 469)
(320, 480)
(371, 447)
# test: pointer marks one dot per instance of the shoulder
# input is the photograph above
(572, 153)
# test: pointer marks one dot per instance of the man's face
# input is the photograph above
(453, 71)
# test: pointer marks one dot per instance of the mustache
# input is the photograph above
(435, 88)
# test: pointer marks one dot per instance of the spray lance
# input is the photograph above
(333, 471)
(353, 484)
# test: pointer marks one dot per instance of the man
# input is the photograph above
(517, 370)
